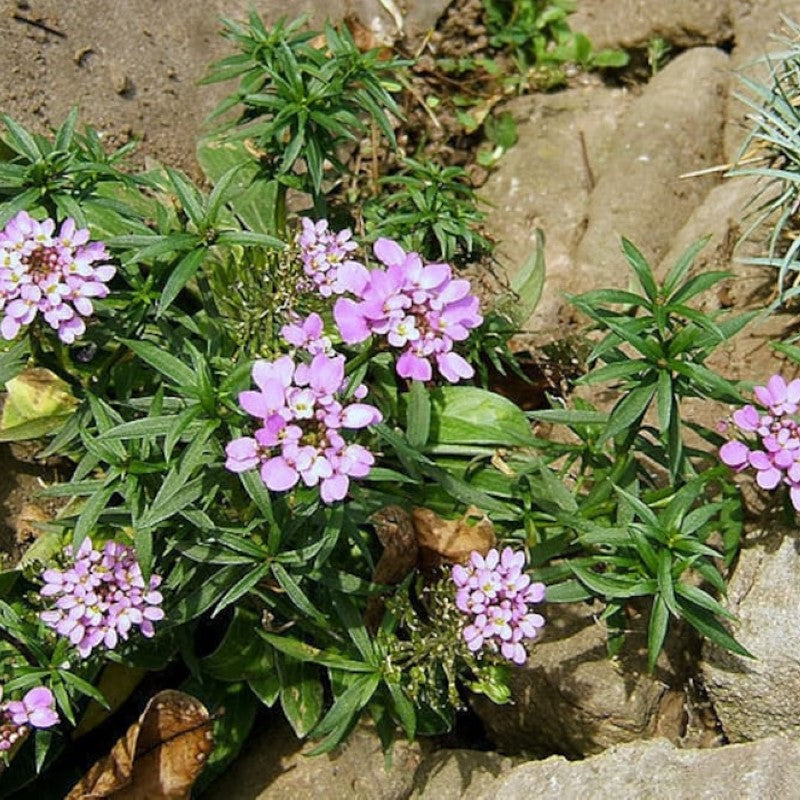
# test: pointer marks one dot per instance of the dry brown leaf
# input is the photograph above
(159, 757)
(452, 540)
(365, 38)
(395, 530)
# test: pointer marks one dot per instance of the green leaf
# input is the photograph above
(170, 500)
(704, 621)
(95, 506)
(296, 595)
(627, 414)
(344, 713)
(570, 416)
(300, 651)
(467, 494)
(20, 140)
(665, 582)
(216, 157)
(143, 546)
(610, 59)
(267, 688)
(526, 286)
(170, 367)
(612, 587)
(301, 695)
(664, 398)
(682, 266)
(702, 599)
(696, 285)
(418, 415)
(182, 273)
(571, 591)
(240, 655)
(644, 512)
(66, 132)
(189, 196)
(258, 492)
(204, 596)
(139, 428)
(353, 624)
(468, 415)
(557, 492)
(403, 707)
(641, 268)
(250, 239)
(614, 371)
(242, 587)
(656, 631)
(599, 297)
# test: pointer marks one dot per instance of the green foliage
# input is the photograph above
(431, 210)
(771, 151)
(300, 99)
(538, 35)
(271, 596)
(654, 349)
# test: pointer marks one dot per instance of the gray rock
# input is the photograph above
(570, 698)
(760, 697)
(720, 217)
(416, 16)
(673, 128)
(656, 770)
(274, 766)
(459, 774)
(545, 180)
(633, 23)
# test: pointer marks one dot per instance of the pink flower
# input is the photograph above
(326, 259)
(778, 397)
(419, 308)
(101, 597)
(35, 710)
(48, 274)
(303, 412)
(776, 455)
(496, 594)
(308, 334)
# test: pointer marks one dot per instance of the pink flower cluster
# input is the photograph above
(35, 710)
(418, 307)
(301, 408)
(326, 258)
(496, 594)
(101, 597)
(308, 334)
(776, 457)
(55, 275)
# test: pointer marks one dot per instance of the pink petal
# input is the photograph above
(278, 475)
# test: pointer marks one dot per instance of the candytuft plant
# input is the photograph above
(277, 471)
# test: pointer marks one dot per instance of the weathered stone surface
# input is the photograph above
(658, 771)
(274, 766)
(673, 128)
(760, 697)
(459, 774)
(546, 179)
(416, 17)
(633, 23)
(570, 698)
